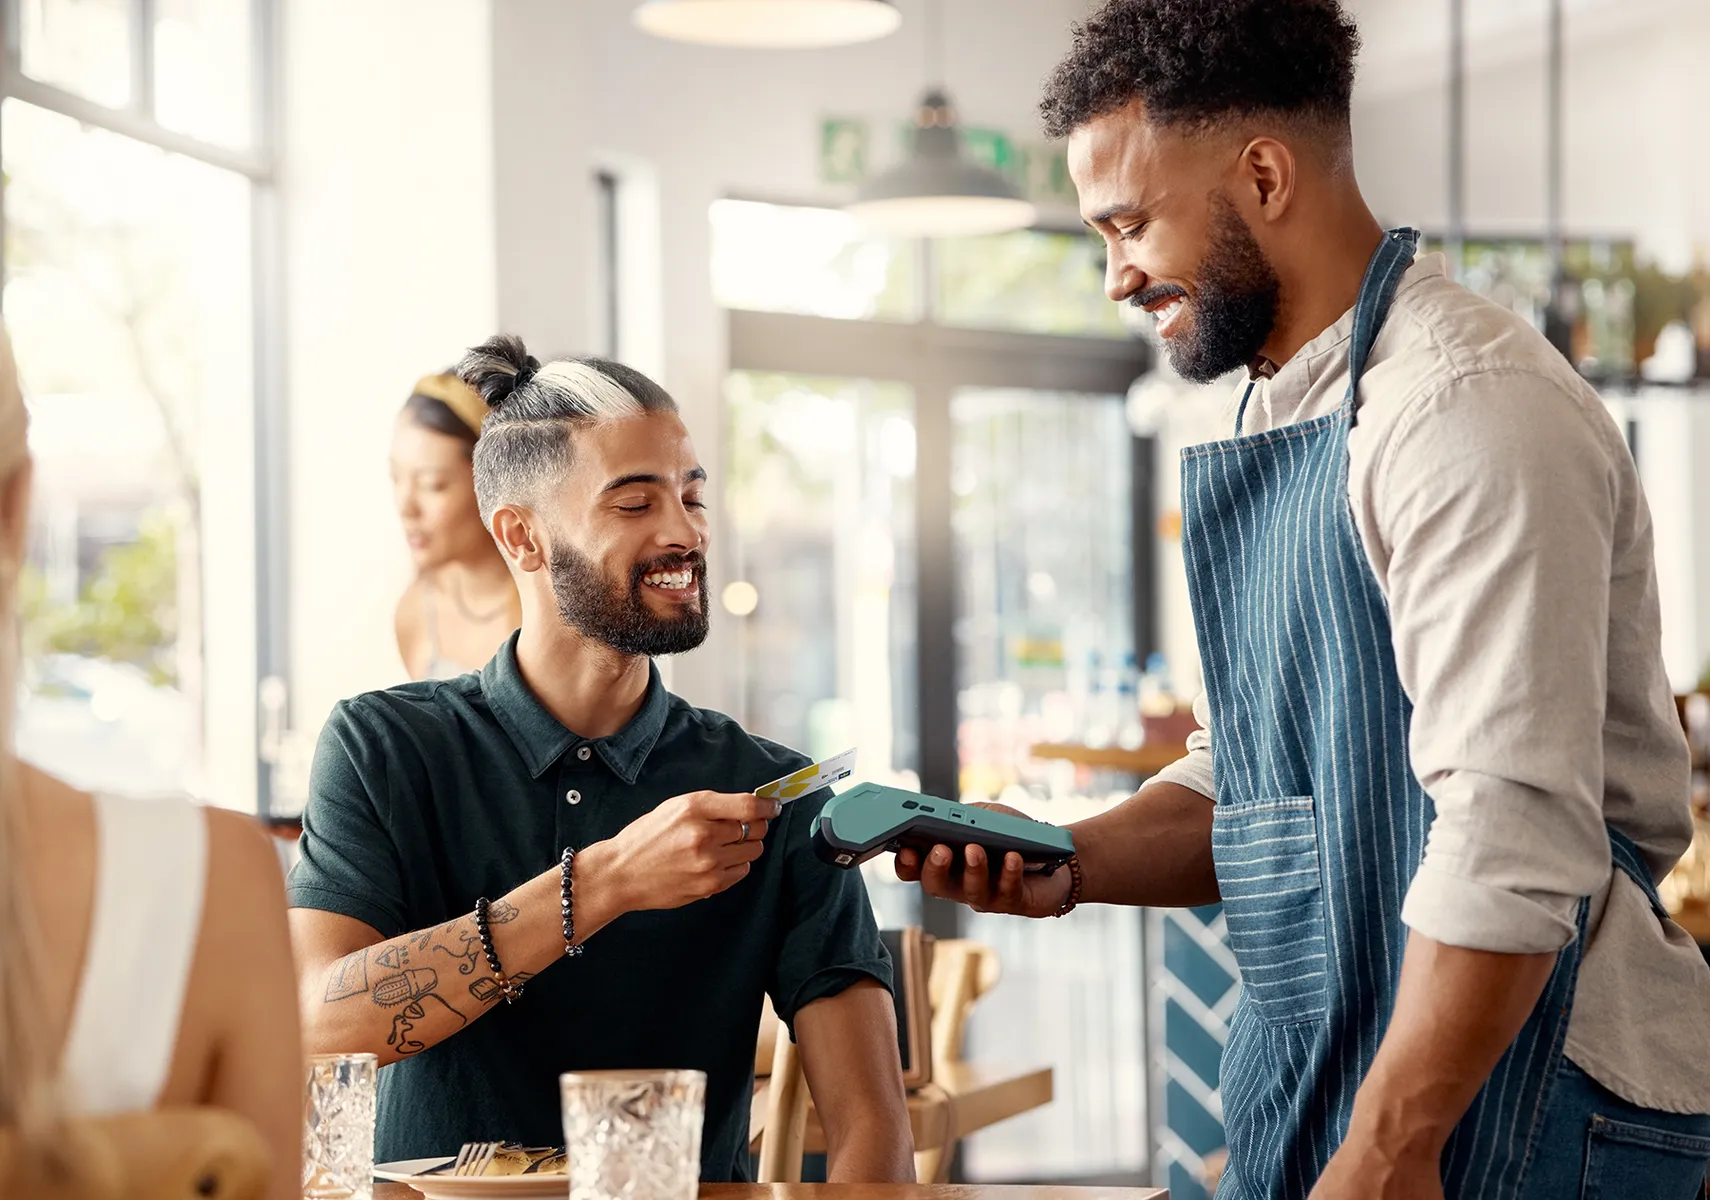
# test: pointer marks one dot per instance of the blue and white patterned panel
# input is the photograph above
(1194, 985)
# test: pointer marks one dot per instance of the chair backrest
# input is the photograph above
(785, 1131)
(779, 1112)
(962, 972)
(167, 1154)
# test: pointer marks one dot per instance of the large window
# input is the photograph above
(932, 511)
(131, 170)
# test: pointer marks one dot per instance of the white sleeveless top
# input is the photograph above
(438, 666)
(150, 878)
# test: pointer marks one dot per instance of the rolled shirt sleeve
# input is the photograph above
(830, 940)
(1193, 770)
(1495, 507)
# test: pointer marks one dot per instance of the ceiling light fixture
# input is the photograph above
(936, 191)
(769, 24)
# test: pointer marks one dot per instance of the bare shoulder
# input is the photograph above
(246, 879)
(409, 622)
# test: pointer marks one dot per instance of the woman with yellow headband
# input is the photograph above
(462, 604)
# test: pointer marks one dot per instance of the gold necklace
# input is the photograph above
(463, 607)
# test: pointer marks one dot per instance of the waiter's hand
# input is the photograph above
(959, 873)
(687, 849)
(1366, 1169)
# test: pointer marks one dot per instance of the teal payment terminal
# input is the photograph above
(870, 819)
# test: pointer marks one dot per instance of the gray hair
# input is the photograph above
(533, 410)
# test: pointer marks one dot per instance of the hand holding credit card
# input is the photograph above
(809, 779)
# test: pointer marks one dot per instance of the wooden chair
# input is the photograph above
(962, 972)
(779, 1119)
(783, 1136)
(168, 1154)
(782, 1109)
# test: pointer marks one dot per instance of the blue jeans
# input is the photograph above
(1597, 1146)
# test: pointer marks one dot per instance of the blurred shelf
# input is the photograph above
(1145, 760)
(1695, 919)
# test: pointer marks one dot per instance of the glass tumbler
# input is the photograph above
(338, 1127)
(633, 1135)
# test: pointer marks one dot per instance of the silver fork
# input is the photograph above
(474, 1158)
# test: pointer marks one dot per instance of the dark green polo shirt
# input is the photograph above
(425, 796)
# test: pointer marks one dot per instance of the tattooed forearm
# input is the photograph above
(348, 977)
(467, 949)
(401, 996)
(411, 989)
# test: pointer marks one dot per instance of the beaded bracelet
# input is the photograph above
(1075, 884)
(510, 991)
(566, 892)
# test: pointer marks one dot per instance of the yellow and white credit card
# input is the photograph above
(809, 779)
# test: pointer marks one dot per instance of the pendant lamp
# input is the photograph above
(769, 24)
(937, 191)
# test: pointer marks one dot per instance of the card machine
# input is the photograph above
(870, 819)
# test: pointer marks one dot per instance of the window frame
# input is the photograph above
(257, 163)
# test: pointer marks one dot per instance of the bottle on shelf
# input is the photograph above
(1157, 693)
(1130, 733)
(1100, 730)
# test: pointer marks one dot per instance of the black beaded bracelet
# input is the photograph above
(566, 894)
(510, 991)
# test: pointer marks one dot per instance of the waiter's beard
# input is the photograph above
(614, 611)
(1234, 306)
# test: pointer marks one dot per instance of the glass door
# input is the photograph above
(819, 505)
(945, 617)
(1043, 517)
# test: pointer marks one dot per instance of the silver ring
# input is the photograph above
(744, 836)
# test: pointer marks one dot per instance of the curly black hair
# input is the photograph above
(1201, 62)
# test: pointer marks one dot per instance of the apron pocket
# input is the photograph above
(1266, 854)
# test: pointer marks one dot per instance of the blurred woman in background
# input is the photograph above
(144, 959)
(462, 603)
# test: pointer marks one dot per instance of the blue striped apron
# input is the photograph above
(1320, 821)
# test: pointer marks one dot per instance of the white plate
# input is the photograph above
(444, 1187)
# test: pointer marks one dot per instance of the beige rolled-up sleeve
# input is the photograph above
(1495, 504)
(1193, 770)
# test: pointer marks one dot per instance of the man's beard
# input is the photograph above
(1234, 307)
(599, 607)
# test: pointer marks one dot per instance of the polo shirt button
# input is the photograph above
(573, 796)
(583, 753)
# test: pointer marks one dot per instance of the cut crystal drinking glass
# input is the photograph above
(338, 1127)
(633, 1135)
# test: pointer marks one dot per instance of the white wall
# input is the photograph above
(387, 190)
(576, 86)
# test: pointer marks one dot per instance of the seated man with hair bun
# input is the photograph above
(462, 836)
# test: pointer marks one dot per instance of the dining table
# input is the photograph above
(876, 1191)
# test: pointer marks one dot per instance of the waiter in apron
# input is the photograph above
(1440, 770)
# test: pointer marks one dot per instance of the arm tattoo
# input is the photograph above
(404, 986)
(501, 912)
(348, 977)
(412, 989)
(486, 988)
(467, 951)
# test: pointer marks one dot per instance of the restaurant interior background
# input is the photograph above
(236, 230)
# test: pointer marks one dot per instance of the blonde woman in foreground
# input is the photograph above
(144, 959)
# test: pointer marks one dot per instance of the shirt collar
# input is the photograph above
(1289, 383)
(542, 739)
